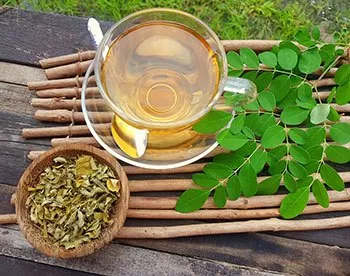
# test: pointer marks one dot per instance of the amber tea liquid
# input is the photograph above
(160, 72)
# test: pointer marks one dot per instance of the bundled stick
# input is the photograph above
(73, 92)
(68, 116)
(70, 70)
(67, 59)
(60, 83)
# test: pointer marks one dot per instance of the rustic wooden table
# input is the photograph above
(26, 37)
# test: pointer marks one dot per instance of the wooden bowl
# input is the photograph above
(31, 178)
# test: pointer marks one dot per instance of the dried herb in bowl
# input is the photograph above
(71, 204)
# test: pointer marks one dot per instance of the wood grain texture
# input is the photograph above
(27, 37)
(117, 259)
(20, 74)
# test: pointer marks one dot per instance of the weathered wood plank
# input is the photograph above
(259, 250)
(27, 37)
(14, 267)
(20, 74)
(123, 260)
(6, 192)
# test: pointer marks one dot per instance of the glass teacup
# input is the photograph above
(158, 72)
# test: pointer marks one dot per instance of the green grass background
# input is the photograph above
(231, 19)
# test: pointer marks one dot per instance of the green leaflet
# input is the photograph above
(320, 193)
(316, 34)
(232, 159)
(278, 167)
(287, 58)
(230, 141)
(264, 122)
(220, 196)
(340, 133)
(263, 80)
(233, 188)
(191, 200)
(204, 180)
(338, 154)
(331, 177)
(270, 185)
(297, 135)
(217, 170)
(273, 136)
(248, 180)
(315, 136)
(290, 183)
(309, 62)
(234, 61)
(294, 115)
(268, 58)
(258, 160)
(249, 57)
(280, 87)
(247, 149)
(293, 204)
(319, 113)
(297, 170)
(299, 154)
(343, 94)
(237, 124)
(342, 75)
(213, 122)
(267, 100)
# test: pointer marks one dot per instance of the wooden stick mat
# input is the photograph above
(58, 100)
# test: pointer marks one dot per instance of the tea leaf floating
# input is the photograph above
(71, 203)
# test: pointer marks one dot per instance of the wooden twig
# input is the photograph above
(341, 108)
(168, 203)
(59, 103)
(61, 83)
(77, 130)
(66, 59)
(184, 184)
(67, 116)
(69, 70)
(231, 214)
(8, 219)
(272, 224)
(323, 82)
(55, 142)
(73, 92)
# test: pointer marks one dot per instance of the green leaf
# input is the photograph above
(280, 87)
(269, 59)
(267, 100)
(251, 121)
(309, 62)
(290, 45)
(230, 141)
(304, 92)
(233, 188)
(331, 177)
(234, 73)
(278, 167)
(191, 200)
(249, 57)
(297, 170)
(234, 60)
(297, 135)
(270, 185)
(251, 75)
(232, 159)
(264, 122)
(315, 152)
(287, 58)
(333, 115)
(263, 80)
(204, 180)
(289, 100)
(340, 133)
(248, 180)
(237, 124)
(309, 104)
(343, 94)
(342, 75)
(327, 52)
(319, 113)
(331, 95)
(303, 37)
(217, 170)
(312, 167)
(315, 136)
(258, 160)
(299, 154)
(220, 197)
(293, 204)
(294, 115)
(252, 106)
(248, 132)
(338, 154)
(320, 193)
(305, 182)
(273, 136)
(247, 149)
(316, 33)
(276, 154)
(290, 183)
(213, 122)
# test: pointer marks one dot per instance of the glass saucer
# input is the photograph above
(98, 117)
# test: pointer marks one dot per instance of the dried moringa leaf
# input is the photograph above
(71, 204)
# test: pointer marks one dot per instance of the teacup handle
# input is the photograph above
(245, 90)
